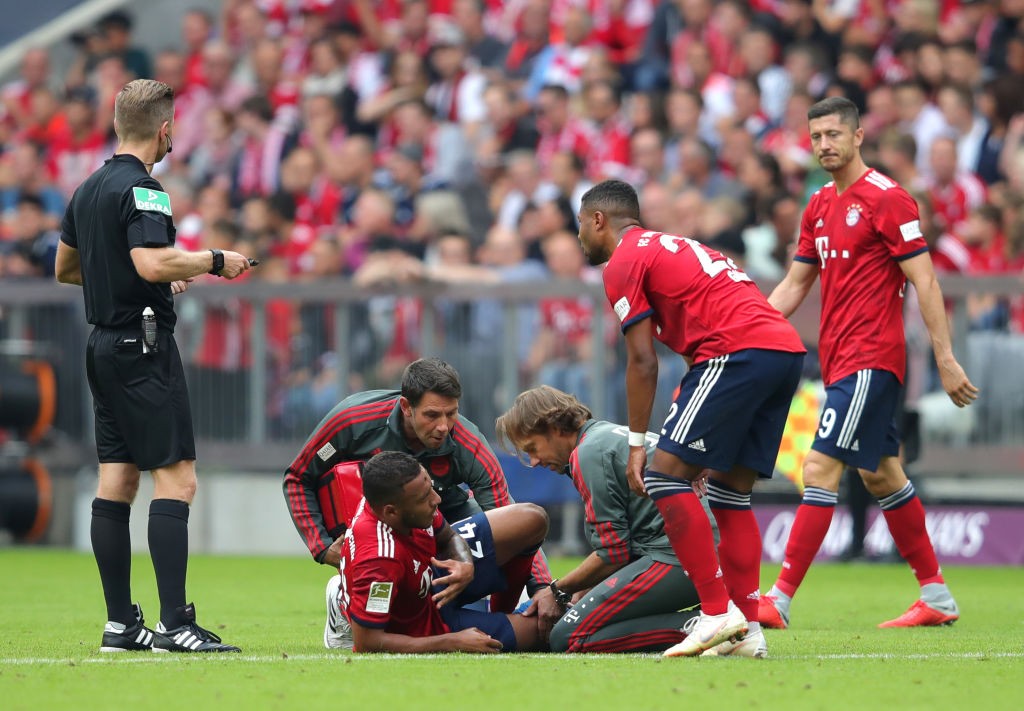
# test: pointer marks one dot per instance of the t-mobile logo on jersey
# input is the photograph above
(825, 254)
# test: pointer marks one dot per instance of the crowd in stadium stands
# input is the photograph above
(402, 140)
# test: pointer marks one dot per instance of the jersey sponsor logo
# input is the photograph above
(852, 216)
(379, 599)
(622, 308)
(698, 444)
(326, 452)
(825, 254)
(152, 200)
(911, 230)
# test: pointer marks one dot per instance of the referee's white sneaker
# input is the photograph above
(337, 630)
(710, 631)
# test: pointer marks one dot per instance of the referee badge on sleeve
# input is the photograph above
(152, 200)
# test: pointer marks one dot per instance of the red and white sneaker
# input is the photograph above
(921, 614)
(769, 614)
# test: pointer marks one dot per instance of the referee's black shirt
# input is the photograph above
(119, 207)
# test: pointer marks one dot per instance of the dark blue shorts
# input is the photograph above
(731, 410)
(487, 578)
(857, 424)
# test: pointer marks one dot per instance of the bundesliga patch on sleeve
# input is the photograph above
(911, 230)
(152, 200)
(379, 599)
(622, 308)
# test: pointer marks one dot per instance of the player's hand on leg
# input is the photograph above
(472, 639)
(460, 575)
(956, 383)
(547, 611)
(635, 467)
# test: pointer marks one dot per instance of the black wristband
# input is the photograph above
(561, 597)
(218, 261)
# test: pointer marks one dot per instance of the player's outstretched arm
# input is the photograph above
(955, 382)
(793, 288)
(641, 384)
(372, 640)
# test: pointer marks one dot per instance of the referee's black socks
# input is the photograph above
(112, 547)
(168, 547)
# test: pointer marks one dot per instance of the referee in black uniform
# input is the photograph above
(117, 242)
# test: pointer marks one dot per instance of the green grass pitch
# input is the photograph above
(832, 658)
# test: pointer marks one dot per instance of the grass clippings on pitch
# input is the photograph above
(832, 658)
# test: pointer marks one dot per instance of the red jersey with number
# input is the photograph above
(857, 239)
(701, 304)
(386, 577)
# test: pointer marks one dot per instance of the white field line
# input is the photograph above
(136, 658)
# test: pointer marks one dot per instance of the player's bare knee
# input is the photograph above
(822, 471)
(536, 523)
(672, 466)
(887, 479)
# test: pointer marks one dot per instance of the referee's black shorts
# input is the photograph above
(140, 400)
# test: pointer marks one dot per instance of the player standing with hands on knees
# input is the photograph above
(117, 243)
(861, 232)
(727, 421)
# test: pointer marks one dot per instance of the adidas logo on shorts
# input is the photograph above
(697, 444)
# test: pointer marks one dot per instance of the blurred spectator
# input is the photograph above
(486, 50)
(698, 170)
(530, 40)
(196, 31)
(523, 185)
(970, 128)
(647, 156)
(16, 95)
(561, 350)
(559, 129)
(561, 63)
(214, 158)
(30, 249)
(504, 128)
(897, 152)
(921, 118)
(953, 192)
(265, 142)
(445, 153)
(22, 171)
(220, 85)
(456, 95)
(116, 29)
(758, 51)
(82, 147)
(607, 153)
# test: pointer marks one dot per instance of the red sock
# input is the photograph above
(517, 572)
(809, 529)
(739, 551)
(906, 524)
(689, 532)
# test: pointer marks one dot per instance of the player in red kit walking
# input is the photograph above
(862, 234)
(727, 421)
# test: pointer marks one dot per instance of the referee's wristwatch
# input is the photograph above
(218, 261)
(561, 597)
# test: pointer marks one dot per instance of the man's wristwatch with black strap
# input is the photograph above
(218, 261)
(561, 597)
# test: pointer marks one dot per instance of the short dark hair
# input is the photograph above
(615, 198)
(385, 476)
(430, 375)
(839, 105)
